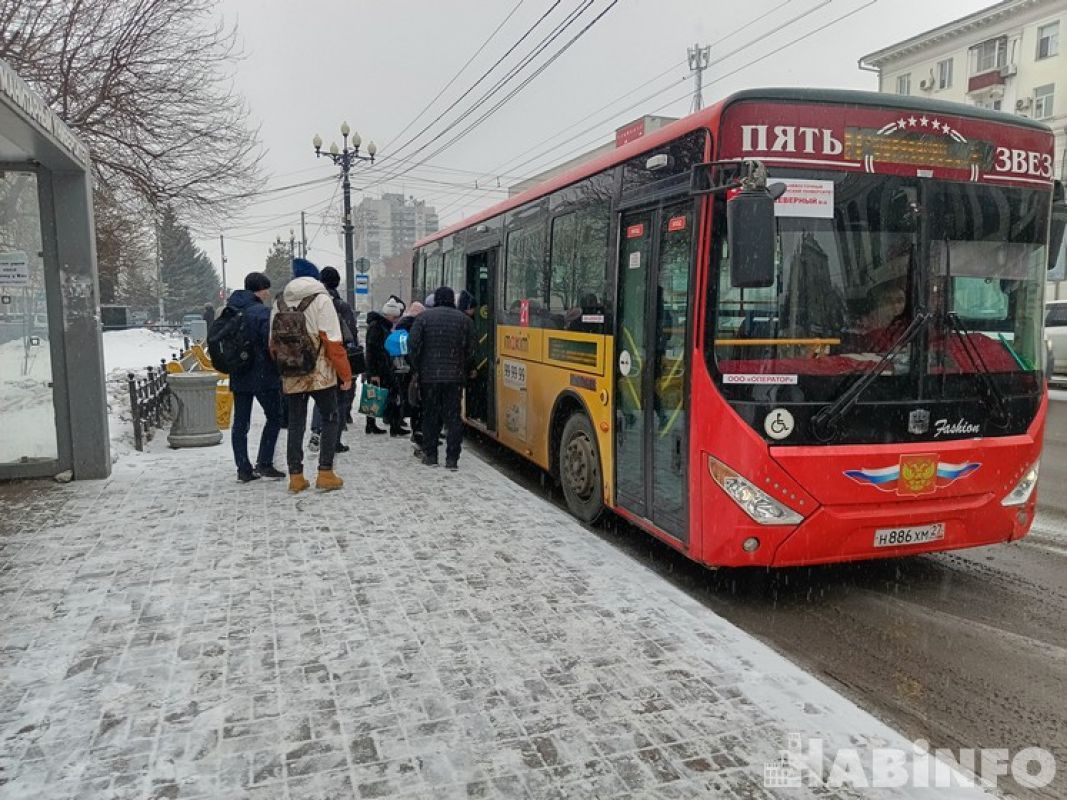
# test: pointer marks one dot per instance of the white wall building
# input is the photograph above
(385, 227)
(389, 225)
(1009, 57)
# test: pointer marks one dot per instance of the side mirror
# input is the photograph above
(751, 236)
(1059, 224)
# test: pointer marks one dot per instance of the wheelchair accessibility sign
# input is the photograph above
(779, 424)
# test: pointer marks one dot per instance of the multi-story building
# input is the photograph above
(1007, 57)
(386, 228)
(388, 225)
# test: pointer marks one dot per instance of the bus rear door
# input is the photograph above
(481, 403)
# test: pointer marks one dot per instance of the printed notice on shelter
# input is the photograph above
(14, 269)
(810, 199)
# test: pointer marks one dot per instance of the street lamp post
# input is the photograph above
(344, 158)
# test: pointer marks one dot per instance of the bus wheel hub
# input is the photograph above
(578, 466)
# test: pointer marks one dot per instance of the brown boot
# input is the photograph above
(298, 483)
(328, 480)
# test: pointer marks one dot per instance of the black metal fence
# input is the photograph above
(149, 403)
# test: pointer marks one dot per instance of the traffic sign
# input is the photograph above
(362, 265)
(363, 284)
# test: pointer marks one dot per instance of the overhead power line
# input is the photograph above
(558, 158)
(276, 189)
(455, 77)
(514, 92)
(482, 77)
(501, 82)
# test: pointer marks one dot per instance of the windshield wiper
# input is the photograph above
(1001, 413)
(824, 422)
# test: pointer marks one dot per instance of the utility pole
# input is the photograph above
(698, 62)
(159, 271)
(292, 245)
(303, 236)
(222, 247)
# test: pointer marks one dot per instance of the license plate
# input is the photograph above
(918, 534)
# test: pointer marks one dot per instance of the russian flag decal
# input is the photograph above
(915, 474)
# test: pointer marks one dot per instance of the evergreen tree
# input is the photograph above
(189, 276)
(137, 289)
(279, 267)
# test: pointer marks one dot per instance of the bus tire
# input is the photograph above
(579, 469)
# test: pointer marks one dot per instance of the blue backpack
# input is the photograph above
(396, 343)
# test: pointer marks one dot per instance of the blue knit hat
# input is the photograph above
(302, 268)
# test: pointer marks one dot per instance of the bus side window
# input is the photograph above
(524, 276)
(577, 269)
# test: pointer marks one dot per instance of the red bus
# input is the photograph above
(796, 327)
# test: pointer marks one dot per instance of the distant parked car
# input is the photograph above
(1056, 333)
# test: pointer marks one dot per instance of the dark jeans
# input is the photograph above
(440, 404)
(326, 405)
(271, 403)
(344, 405)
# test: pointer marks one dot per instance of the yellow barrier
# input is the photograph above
(223, 404)
(201, 356)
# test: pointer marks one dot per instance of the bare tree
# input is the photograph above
(122, 245)
(148, 85)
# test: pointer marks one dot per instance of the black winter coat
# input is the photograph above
(346, 315)
(441, 345)
(263, 377)
(378, 361)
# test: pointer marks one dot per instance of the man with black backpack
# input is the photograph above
(305, 341)
(238, 345)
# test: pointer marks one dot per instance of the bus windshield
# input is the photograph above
(860, 257)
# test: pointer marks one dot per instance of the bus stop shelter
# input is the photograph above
(53, 409)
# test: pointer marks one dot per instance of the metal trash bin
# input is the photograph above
(195, 421)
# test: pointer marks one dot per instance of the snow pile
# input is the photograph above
(133, 351)
(26, 401)
(137, 348)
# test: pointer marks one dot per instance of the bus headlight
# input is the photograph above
(1024, 488)
(755, 502)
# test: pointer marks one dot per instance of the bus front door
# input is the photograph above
(651, 365)
(481, 266)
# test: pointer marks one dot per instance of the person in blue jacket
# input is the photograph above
(261, 383)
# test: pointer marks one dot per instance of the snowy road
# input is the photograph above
(963, 649)
(1054, 458)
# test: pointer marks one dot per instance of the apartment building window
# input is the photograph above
(904, 84)
(1043, 98)
(1048, 40)
(944, 74)
(989, 55)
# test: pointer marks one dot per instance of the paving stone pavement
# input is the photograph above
(171, 633)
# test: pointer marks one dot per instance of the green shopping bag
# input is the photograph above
(373, 400)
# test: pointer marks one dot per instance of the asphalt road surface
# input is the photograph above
(963, 650)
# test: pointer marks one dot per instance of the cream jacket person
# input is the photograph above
(332, 366)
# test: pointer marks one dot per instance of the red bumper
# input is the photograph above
(847, 533)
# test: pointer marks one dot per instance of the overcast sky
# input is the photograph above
(309, 66)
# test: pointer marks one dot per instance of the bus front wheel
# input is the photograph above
(579, 469)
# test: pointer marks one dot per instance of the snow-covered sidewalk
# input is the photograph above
(170, 632)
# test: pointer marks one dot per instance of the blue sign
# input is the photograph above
(363, 284)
